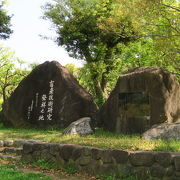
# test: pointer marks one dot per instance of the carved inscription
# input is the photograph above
(46, 104)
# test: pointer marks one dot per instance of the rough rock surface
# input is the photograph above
(81, 126)
(48, 97)
(144, 165)
(164, 131)
(163, 91)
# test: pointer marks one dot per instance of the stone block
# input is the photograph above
(106, 156)
(175, 178)
(96, 153)
(8, 143)
(163, 158)
(120, 156)
(168, 178)
(177, 163)
(39, 146)
(169, 171)
(27, 148)
(76, 153)
(141, 172)
(54, 149)
(157, 171)
(36, 155)
(66, 151)
(1, 143)
(86, 151)
(124, 170)
(84, 160)
(92, 167)
(107, 169)
(20, 142)
(142, 158)
(177, 174)
(45, 154)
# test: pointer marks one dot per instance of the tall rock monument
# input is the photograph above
(48, 97)
(143, 97)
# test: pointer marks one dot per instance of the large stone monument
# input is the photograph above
(142, 97)
(48, 97)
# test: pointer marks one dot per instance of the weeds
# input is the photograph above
(68, 168)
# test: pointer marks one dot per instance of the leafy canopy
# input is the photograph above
(78, 26)
(10, 72)
(5, 25)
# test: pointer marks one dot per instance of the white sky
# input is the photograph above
(27, 26)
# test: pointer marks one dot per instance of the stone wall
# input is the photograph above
(144, 165)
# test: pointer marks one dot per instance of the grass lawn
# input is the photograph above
(9, 172)
(100, 138)
(19, 170)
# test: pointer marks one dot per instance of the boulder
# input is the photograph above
(165, 131)
(48, 97)
(81, 126)
(142, 97)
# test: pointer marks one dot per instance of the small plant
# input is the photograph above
(70, 169)
(46, 165)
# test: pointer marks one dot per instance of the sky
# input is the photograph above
(28, 25)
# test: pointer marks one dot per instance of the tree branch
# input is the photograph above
(172, 7)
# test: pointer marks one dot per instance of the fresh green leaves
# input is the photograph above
(113, 36)
(10, 73)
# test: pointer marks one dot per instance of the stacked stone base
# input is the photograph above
(143, 165)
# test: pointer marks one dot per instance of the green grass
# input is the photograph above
(100, 138)
(9, 172)
(68, 168)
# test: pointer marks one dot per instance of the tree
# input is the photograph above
(99, 31)
(73, 70)
(78, 27)
(10, 73)
(157, 20)
(5, 25)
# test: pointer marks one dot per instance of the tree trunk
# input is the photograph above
(4, 94)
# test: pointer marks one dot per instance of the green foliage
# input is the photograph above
(69, 168)
(9, 172)
(44, 164)
(73, 70)
(5, 30)
(144, 53)
(10, 73)
(157, 20)
(79, 31)
(113, 36)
